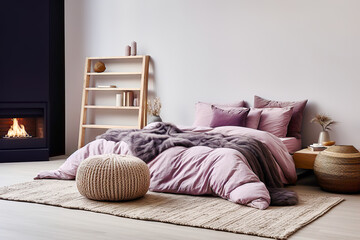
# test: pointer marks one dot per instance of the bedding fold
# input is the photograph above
(146, 144)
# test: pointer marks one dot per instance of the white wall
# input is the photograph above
(224, 51)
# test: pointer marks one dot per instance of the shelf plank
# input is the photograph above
(116, 57)
(112, 107)
(108, 126)
(113, 73)
(111, 89)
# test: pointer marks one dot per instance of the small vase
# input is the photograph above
(324, 137)
(153, 118)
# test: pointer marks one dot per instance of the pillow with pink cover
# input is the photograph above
(275, 120)
(204, 113)
(253, 118)
(230, 117)
(294, 128)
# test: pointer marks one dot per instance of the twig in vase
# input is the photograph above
(324, 121)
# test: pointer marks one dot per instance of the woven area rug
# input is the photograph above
(204, 212)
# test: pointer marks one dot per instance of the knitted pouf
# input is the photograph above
(113, 177)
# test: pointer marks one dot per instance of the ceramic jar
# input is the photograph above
(324, 137)
(153, 118)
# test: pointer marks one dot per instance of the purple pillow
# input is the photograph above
(294, 128)
(275, 120)
(230, 117)
(253, 118)
(204, 113)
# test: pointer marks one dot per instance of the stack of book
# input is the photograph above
(128, 98)
(317, 147)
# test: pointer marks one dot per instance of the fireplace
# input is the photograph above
(23, 132)
(22, 125)
(32, 80)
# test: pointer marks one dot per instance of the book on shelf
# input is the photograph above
(106, 86)
(129, 98)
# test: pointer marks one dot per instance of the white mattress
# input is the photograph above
(292, 144)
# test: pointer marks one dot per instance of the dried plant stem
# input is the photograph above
(324, 121)
(154, 107)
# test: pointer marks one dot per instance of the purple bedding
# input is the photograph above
(198, 170)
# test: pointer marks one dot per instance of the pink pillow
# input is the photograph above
(204, 113)
(231, 117)
(253, 118)
(275, 120)
(294, 128)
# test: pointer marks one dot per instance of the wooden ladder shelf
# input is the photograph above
(142, 98)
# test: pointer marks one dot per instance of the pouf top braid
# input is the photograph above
(113, 177)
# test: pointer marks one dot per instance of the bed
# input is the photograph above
(292, 144)
(245, 165)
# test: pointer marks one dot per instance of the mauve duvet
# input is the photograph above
(198, 170)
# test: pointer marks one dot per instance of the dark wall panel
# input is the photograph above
(24, 50)
(32, 60)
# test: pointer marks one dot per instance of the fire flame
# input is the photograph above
(16, 130)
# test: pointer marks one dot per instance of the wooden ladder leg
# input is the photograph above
(142, 119)
(83, 113)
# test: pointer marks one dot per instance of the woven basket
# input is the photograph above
(113, 177)
(337, 169)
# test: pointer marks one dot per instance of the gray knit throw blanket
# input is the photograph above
(146, 144)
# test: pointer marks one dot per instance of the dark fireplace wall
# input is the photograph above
(32, 61)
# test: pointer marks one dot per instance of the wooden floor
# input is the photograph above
(27, 221)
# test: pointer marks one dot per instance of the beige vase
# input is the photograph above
(324, 137)
(337, 169)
